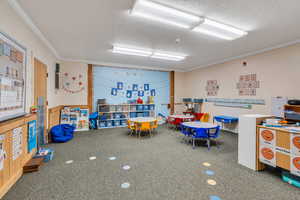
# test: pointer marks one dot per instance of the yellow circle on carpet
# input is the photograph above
(206, 164)
(211, 182)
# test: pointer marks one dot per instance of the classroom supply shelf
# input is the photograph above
(116, 115)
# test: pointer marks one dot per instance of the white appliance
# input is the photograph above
(247, 139)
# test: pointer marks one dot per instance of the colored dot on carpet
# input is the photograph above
(209, 172)
(214, 197)
(112, 158)
(125, 185)
(126, 167)
(206, 164)
(211, 182)
(92, 158)
(69, 162)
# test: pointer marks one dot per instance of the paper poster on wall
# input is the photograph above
(17, 142)
(146, 87)
(120, 86)
(295, 144)
(141, 93)
(114, 91)
(2, 152)
(153, 92)
(32, 136)
(129, 94)
(135, 87)
(247, 85)
(267, 136)
(295, 165)
(212, 87)
(267, 155)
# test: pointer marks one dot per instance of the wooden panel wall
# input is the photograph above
(13, 169)
(90, 88)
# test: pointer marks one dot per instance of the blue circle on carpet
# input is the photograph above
(209, 172)
(214, 198)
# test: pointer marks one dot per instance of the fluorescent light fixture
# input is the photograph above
(124, 49)
(168, 56)
(131, 51)
(161, 13)
(216, 29)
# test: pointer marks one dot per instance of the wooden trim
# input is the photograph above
(172, 92)
(5, 188)
(90, 88)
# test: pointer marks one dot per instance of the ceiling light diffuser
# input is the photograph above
(131, 51)
(219, 30)
(124, 49)
(161, 13)
(168, 56)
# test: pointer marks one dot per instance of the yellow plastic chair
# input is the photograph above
(153, 126)
(131, 126)
(142, 127)
(205, 118)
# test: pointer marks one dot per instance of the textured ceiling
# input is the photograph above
(86, 30)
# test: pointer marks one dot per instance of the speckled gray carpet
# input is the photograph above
(162, 168)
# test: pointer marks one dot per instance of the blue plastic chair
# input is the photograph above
(214, 133)
(186, 131)
(201, 133)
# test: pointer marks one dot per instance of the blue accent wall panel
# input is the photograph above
(134, 82)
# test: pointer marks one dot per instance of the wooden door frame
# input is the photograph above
(36, 61)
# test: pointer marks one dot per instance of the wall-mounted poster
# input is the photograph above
(120, 86)
(114, 91)
(247, 85)
(141, 93)
(153, 92)
(12, 78)
(17, 142)
(212, 87)
(146, 87)
(129, 94)
(135, 87)
(32, 136)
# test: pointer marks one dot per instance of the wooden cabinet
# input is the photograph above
(12, 169)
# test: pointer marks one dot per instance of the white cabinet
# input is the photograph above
(247, 139)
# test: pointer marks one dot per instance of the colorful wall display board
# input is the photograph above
(17, 141)
(212, 87)
(120, 85)
(32, 136)
(12, 78)
(2, 152)
(72, 83)
(76, 117)
(247, 85)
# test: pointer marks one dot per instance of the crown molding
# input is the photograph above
(246, 55)
(20, 11)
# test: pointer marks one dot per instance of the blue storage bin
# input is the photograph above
(133, 115)
(140, 114)
(109, 124)
(146, 107)
(116, 123)
(146, 114)
(102, 124)
(123, 122)
(140, 107)
(48, 156)
(117, 115)
(151, 107)
(123, 116)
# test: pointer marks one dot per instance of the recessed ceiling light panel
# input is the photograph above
(219, 30)
(161, 13)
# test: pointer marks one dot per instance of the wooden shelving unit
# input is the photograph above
(116, 115)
